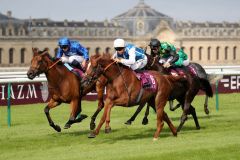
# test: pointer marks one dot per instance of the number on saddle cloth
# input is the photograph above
(147, 81)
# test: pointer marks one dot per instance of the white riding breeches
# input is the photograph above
(139, 64)
(70, 59)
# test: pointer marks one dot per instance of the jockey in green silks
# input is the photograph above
(170, 56)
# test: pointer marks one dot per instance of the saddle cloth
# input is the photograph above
(147, 81)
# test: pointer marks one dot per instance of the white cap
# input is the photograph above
(118, 43)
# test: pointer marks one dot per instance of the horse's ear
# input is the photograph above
(35, 51)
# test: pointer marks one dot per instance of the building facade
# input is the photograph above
(208, 43)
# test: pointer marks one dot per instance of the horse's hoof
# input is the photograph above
(67, 126)
(155, 139)
(108, 130)
(82, 117)
(128, 122)
(144, 121)
(57, 128)
(198, 127)
(92, 126)
(91, 135)
(206, 111)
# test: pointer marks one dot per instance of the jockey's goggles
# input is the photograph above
(119, 48)
(154, 47)
(64, 46)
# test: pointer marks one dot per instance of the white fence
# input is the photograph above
(17, 75)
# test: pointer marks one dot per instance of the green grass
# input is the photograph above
(31, 138)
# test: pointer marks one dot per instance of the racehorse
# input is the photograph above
(63, 86)
(196, 83)
(124, 89)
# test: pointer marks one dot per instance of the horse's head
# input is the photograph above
(38, 63)
(97, 66)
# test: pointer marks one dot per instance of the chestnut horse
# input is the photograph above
(123, 88)
(63, 86)
(195, 84)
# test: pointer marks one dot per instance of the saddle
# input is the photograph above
(147, 80)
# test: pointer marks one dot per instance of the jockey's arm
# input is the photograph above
(174, 57)
(132, 57)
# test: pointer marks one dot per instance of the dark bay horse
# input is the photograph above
(195, 84)
(123, 89)
(63, 86)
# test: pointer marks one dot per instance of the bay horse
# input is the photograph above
(63, 86)
(196, 83)
(123, 88)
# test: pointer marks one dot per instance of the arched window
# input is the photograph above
(22, 54)
(200, 53)
(55, 52)
(226, 53)
(209, 53)
(217, 53)
(191, 53)
(107, 50)
(234, 53)
(11, 50)
(97, 50)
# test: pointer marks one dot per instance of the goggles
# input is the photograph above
(119, 48)
(64, 46)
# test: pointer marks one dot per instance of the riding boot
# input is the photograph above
(76, 64)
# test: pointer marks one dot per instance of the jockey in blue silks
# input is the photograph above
(72, 52)
(129, 55)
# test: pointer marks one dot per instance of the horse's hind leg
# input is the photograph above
(51, 104)
(192, 111)
(76, 109)
(206, 105)
(140, 107)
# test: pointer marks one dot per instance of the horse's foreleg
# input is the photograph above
(140, 107)
(192, 111)
(169, 122)
(100, 107)
(103, 119)
(184, 116)
(172, 108)
(206, 105)
(51, 104)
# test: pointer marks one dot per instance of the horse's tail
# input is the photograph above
(206, 86)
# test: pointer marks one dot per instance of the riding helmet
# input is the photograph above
(154, 43)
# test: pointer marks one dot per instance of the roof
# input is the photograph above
(141, 10)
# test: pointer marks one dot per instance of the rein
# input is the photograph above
(124, 81)
(153, 62)
(54, 64)
(108, 66)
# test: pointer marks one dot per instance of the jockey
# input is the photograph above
(129, 55)
(170, 56)
(72, 52)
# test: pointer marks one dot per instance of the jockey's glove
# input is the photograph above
(166, 65)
